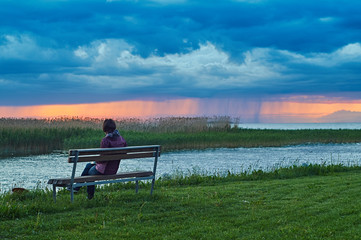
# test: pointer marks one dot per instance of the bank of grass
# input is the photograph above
(307, 202)
(32, 136)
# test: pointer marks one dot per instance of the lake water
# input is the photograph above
(34, 171)
(295, 126)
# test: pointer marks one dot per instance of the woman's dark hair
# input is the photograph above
(109, 125)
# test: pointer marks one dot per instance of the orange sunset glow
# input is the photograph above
(307, 110)
(267, 111)
(139, 109)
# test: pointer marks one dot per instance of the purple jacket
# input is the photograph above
(111, 167)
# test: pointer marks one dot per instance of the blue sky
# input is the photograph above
(83, 51)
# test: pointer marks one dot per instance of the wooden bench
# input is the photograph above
(108, 154)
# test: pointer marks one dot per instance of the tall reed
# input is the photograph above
(35, 136)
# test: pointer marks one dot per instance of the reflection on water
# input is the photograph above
(34, 171)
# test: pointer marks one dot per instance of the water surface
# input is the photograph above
(34, 171)
(298, 126)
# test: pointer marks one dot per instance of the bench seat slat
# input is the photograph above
(92, 178)
(104, 158)
(121, 152)
(94, 151)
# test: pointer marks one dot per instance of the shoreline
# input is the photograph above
(220, 162)
(25, 142)
(22, 137)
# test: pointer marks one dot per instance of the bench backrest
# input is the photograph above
(112, 154)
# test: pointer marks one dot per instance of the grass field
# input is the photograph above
(298, 202)
(313, 202)
(31, 136)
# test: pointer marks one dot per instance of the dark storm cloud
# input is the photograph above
(89, 51)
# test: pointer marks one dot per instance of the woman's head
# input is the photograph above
(109, 125)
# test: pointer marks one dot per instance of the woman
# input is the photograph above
(112, 139)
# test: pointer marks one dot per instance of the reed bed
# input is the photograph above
(37, 136)
(169, 124)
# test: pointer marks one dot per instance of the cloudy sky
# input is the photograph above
(219, 57)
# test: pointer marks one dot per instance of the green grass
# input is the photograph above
(314, 202)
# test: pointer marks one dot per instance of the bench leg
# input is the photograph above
(136, 186)
(54, 193)
(151, 190)
(72, 194)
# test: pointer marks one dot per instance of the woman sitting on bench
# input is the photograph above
(111, 140)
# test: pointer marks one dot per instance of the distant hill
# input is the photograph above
(342, 116)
